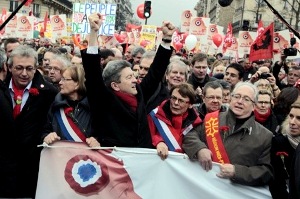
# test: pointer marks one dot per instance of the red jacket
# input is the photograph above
(164, 114)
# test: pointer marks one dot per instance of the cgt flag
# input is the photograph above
(262, 47)
(228, 38)
(73, 170)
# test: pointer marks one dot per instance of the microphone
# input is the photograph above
(225, 3)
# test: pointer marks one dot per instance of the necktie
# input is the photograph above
(18, 94)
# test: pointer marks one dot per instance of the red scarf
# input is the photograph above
(178, 119)
(128, 99)
(261, 118)
(18, 94)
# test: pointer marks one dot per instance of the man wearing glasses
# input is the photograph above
(235, 140)
(212, 99)
(26, 99)
(48, 55)
(57, 64)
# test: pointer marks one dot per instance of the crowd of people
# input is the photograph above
(243, 115)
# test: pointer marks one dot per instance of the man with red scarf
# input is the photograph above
(25, 99)
(117, 101)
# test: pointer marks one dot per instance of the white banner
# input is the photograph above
(72, 170)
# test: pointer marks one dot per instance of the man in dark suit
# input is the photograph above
(25, 99)
(123, 117)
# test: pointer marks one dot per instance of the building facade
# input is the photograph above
(245, 15)
(39, 7)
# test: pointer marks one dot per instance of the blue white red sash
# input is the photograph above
(165, 132)
(68, 128)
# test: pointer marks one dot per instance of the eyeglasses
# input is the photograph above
(20, 69)
(180, 101)
(65, 79)
(263, 102)
(211, 98)
(55, 69)
(244, 98)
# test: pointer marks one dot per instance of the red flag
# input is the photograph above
(45, 21)
(28, 2)
(2, 20)
(227, 38)
(262, 47)
(260, 27)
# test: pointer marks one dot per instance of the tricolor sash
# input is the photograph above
(68, 128)
(213, 138)
(166, 133)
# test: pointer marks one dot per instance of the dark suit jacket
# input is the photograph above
(115, 122)
(19, 154)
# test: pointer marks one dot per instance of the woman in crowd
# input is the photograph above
(69, 116)
(283, 102)
(176, 73)
(172, 119)
(263, 111)
(282, 152)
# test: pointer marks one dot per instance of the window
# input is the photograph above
(36, 10)
(13, 5)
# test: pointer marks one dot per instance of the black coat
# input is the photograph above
(193, 80)
(278, 186)
(295, 175)
(19, 154)
(81, 116)
(161, 94)
(271, 123)
(113, 119)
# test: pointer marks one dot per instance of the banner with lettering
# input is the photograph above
(11, 26)
(199, 27)
(25, 26)
(73, 170)
(185, 20)
(246, 38)
(148, 37)
(58, 26)
(81, 11)
(214, 30)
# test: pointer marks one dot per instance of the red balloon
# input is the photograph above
(178, 45)
(184, 35)
(140, 11)
(217, 39)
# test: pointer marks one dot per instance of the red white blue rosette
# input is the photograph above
(86, 174)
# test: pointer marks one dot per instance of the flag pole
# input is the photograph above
(282, 19)
(12, 14)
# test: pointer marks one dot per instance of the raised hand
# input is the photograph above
(95, 21)
(168, 29)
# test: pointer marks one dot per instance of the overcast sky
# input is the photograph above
(165, 10)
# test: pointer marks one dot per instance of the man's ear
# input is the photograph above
(115, 86)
